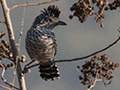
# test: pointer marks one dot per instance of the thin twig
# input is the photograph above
(5, 87)
(21, 32)
(6, 12)
(5, 56)
(76, 59)
(32, 4)
(34, 65)
(3, 23)
(21, 28)
(4, 80)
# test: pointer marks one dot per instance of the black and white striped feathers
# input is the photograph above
(48, 18)
(41, 44)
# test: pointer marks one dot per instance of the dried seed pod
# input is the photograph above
(106, 8)
(7, 52)
(2, 55)
(93, 59)
(104, 61)
(83, 82)
(108, 78)
(105, 56)
(110, 5)
(109, 63)
(113, 63)
(1, 58)
(78, 67)
(103, 74)
(105, 2)
(114, 8)
(102, 15)
(91, 13)
(99, 20)
(104, 68)
(23, 58)
(10, 55)
(93, 73)
(97, 57)
(12, 65)
(117, 65)
(110, 71)
(87, 82)
(80, 77)
(101, 25)
(98, 65)
(71, 16)
(2, 47)
(111, 77)
(83, 70)
(8, 65)
(4, 42)
(113, 67)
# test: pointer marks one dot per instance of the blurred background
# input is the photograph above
(74, 40)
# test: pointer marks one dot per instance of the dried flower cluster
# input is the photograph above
(84, 8)
(113, 6)
(5, 49)
(99, 68)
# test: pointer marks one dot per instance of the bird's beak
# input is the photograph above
(61, 23)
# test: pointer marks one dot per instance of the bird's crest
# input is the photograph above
(52, 10)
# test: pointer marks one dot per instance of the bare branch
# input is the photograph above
(21, 32)
(32, 4)
(4, 80)
(5, 56)
(76, 59)
(6, 12)
(94, 81)
(5, 87)
(3, 23)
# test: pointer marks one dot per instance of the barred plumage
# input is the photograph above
(41, 44)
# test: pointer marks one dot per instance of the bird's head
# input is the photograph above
(49, 18)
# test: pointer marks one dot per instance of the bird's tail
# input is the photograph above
(49, 71)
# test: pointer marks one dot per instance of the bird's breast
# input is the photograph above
(40, 47)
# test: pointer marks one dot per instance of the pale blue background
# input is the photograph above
(74, 40)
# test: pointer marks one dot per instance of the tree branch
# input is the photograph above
(76, 59)
(32, 4)
(3, 23)
(5, 87)
(4, 80)
(19, 42)
(6, 12)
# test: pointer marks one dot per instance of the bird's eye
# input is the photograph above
(50, 19)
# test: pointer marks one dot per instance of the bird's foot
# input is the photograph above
(26, 70)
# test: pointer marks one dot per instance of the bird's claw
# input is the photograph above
(25, 70)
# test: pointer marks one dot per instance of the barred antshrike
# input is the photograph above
(41, 44)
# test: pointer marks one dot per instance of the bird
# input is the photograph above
(41, 44)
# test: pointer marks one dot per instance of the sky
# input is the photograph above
(74, 40)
